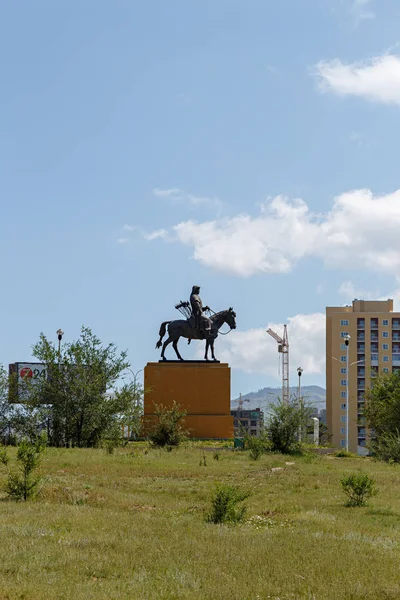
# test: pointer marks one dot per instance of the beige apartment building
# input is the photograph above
(374, 347)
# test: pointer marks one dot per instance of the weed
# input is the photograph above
(203, 461)
(216, 455)
(23, 484)
(224, 505)
(359, 488)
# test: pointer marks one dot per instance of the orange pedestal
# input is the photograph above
(202, 389)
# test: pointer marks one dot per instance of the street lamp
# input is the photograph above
(299, 373)
(134, 374)
(347, 339)
(60, 334)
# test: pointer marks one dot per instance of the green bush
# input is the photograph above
(343, 454)
(387, 447)
(224, 505)
(284, 424)
(23, 484)
(168, 431)
(359, 488)
(256, 446)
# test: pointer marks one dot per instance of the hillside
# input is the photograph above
(314, 394)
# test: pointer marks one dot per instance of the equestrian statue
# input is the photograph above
(196, 326)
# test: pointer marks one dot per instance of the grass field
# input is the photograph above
(131, 525)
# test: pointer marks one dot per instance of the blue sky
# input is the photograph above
(249, 147)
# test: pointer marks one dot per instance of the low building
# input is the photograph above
(250, 422)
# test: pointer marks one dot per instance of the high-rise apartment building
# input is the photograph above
(374, 347)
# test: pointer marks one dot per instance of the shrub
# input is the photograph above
(256, 447)
(23, 484)
(216, 455)
(343, 454)
(284, 425)
(168, 432)
(387, 447)
(224, 505)
(359, 488)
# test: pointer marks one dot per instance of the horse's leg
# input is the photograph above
(207, 345)
(165, 344)
(212, 348)
(175, 345)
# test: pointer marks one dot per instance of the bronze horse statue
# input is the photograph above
(185, 328)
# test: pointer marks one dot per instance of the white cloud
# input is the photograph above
(123, 240)
(156, 235)
(254, 351)
(180, 196)
(361, 10)
(377, 79)
(361, 230)
(130, 227)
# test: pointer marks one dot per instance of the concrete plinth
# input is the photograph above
(202, 389)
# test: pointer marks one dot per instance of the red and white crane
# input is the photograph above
(283, 348)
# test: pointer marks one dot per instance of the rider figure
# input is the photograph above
(202, 322)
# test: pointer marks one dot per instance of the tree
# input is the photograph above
(285, 422)
(80, 394)
(382, 416)
(168, 431)
(7, 410)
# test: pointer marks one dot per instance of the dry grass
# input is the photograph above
(131, 525)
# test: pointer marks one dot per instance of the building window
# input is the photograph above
(343, 382)
(343, 419)
(342, 443)
(385, 370)
(385, 359)
(343, 358)
(343, 406)
(344, 322)
(374, 357)
(385, 334)
(385, 322)
(343, 430)
(253, 423)
(343, 394)
(244, 423)
(385, 346)
(253, 432)
(343, 346)
(343, 370)
(344, 334)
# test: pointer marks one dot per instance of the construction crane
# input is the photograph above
(241, 401)
(283, 348)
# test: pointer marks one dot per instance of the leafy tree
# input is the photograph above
(382, 416)
(284, 424)
(7, 410)
(168, 430)
(23, 483)
(80, 395)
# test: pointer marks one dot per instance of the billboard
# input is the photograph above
(22, 373)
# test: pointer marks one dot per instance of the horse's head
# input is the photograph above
(230, 318)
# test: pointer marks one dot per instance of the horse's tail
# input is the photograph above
(163, 329)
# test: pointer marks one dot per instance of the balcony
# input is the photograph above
(361, 348)
(374, 337)
(395, 324)
(396, 359)
(360, 336)
(361, 384)
(374, 324)
(360, 323)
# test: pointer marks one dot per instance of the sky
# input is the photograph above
(246, 146)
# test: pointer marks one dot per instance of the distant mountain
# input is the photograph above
(313, 394)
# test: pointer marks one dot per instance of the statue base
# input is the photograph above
(201, 388)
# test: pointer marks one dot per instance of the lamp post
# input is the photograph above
(299, 373)
(60, 334)
(356, 362)
(347, 339)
